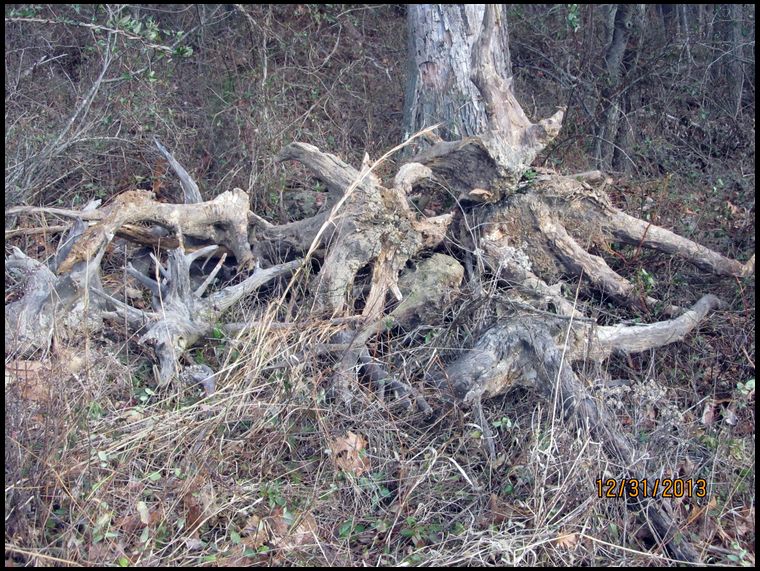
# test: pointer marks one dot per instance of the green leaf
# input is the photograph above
(154, 476)
(345, 529)
(381, 526)
(122, 562)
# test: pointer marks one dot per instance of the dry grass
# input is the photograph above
(102, 469)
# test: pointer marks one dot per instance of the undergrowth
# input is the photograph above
(103, 468)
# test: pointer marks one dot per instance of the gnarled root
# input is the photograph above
(51, 301)
(181, 315)
(571, 218)
(535, 354)
(372, 224)
(423, 293)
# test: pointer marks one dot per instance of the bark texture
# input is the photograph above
(460, 73)
(381, 265)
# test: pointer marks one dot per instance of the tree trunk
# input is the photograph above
(379, 261)
(735, 68)
(439, 88)
(460, 74)
(610, 101)
(728, 41)
(669, 19)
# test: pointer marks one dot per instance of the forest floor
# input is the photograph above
(102, 468)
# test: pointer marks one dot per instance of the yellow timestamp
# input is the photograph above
(665, 487)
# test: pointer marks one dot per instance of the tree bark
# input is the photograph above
(610, 101)
(439, 89)
(728, 41)
(735, 67)
(461, 74)
(377, 265)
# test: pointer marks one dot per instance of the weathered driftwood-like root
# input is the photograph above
(373, 224)
(513, 141)
(510, 262)
(335, 173)
(533, 354)
(356, 235)
(526, 243)
(632, 230)
(552, 252)
(189, 186)
(424, 292)
(591, 215)
(498, 360)
(578, 261)
(272, 242)
(52, 301)
(29, 321)
(606, 340)
(181, 315)
(223, 220)
(548, 231)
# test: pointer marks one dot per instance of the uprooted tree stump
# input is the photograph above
(525, 233)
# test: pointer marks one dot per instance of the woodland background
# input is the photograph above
(225, 87)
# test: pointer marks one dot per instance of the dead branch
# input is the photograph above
(223, 220)
(180, 315)
(189, 186)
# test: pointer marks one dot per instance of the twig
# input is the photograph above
(189, 186)
(211, 276)
(65, 212)
(96, 27)
(42, 230)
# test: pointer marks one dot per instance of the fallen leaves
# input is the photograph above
(348, 453)
(32, 378)
(708, 413)
(35, 381)
(566, 540)
(199, 502)
(282, 529)
(145, 517)
(254, 534)
(501, 510)
(480, 192)
(291, 531)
